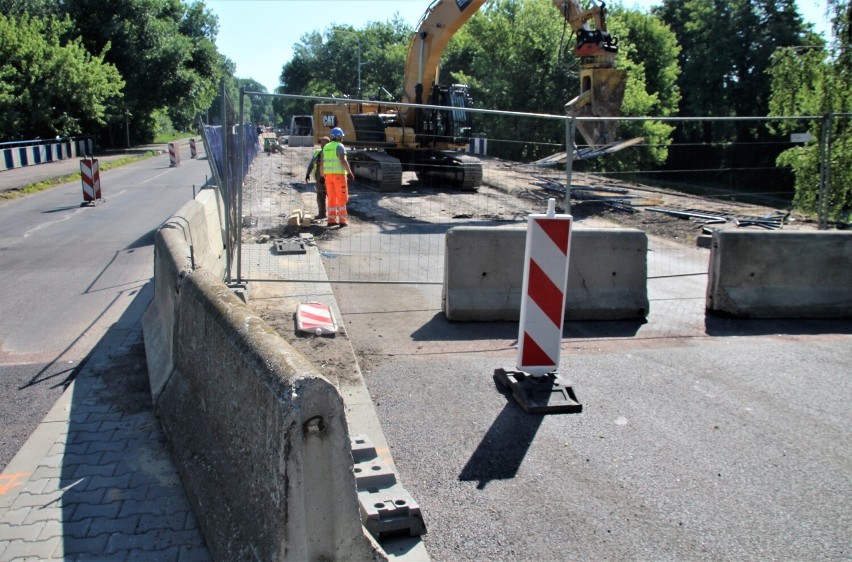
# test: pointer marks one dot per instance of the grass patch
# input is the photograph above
(166, 138)
(53, 182)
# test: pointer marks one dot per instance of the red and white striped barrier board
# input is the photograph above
(315, 318)
(193, 152)
(174, 155)
(91, 179)
(543, 296)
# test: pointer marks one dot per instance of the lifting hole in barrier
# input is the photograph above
(314, 425)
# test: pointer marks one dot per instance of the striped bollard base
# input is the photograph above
(535, 384)
(548, 394)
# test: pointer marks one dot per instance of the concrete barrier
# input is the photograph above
(300, 140)
(780, 274)
(483, 274)
(44, 152)
(258, 435)
(200, 243)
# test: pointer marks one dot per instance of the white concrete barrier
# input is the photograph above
(258, 435)
(780, 274)
(47, 151)
(300, 140)
(483, 274)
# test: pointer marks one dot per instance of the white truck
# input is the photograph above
(301, 130)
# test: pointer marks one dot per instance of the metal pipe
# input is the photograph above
(571, 127)
(241, 161)
(824, 171)
(225, 187)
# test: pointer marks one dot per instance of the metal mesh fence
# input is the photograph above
(231, 147)
(398, 237)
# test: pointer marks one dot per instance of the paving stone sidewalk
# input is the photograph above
(96, 481)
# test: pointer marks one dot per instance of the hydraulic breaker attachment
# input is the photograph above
(601, 94)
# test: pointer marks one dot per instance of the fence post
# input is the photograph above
(571, 127)
(824, 171)
(242, 159)
(226, 184)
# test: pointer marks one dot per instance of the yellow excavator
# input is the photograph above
(387, 140)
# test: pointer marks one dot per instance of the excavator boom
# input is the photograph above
(436, 27)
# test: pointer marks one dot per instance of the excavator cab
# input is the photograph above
(445, 127)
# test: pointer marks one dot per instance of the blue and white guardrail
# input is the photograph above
(31, 153)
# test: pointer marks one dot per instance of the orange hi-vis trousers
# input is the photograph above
(338, 196)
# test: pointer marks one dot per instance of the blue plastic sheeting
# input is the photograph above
(251, 148)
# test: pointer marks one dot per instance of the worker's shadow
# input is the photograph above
(505, 445)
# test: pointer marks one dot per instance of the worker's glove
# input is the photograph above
(307, 178)
(350, 176)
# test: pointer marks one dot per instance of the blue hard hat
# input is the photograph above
(337, 132)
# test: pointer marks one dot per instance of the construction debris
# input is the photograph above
(289, 246)
(589, 193)
(300, 218)
(586, 153)
(772, 221)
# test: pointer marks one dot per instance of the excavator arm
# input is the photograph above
(601, 85)
(437, 26)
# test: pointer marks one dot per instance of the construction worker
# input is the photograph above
(319, 180)
(334, 167)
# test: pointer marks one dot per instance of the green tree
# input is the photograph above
(649, 52)
(165, 51)
(726, 48)
(326, 64)
(51, 85)
(816, 81)
(32, 8)
(257, 108)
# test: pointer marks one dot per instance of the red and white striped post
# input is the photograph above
(193, 153)
(536, 384)
(543, 293)
(91, 179)
(174, 155)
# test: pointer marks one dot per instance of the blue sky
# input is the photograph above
(258, 35)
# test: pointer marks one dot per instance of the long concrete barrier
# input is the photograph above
(483, 274)
(780, 274)
(259, 436)
(34, 153)
(200, 243)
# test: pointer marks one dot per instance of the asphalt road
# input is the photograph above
(701, 438)
(69, 272)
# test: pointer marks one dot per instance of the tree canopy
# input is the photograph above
(816, 80)
(163, 51)
(51, 85)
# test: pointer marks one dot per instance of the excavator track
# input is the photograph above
(377, 168)
(471, 175)
(440, 167)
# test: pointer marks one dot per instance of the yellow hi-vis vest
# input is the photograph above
(330, 162)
